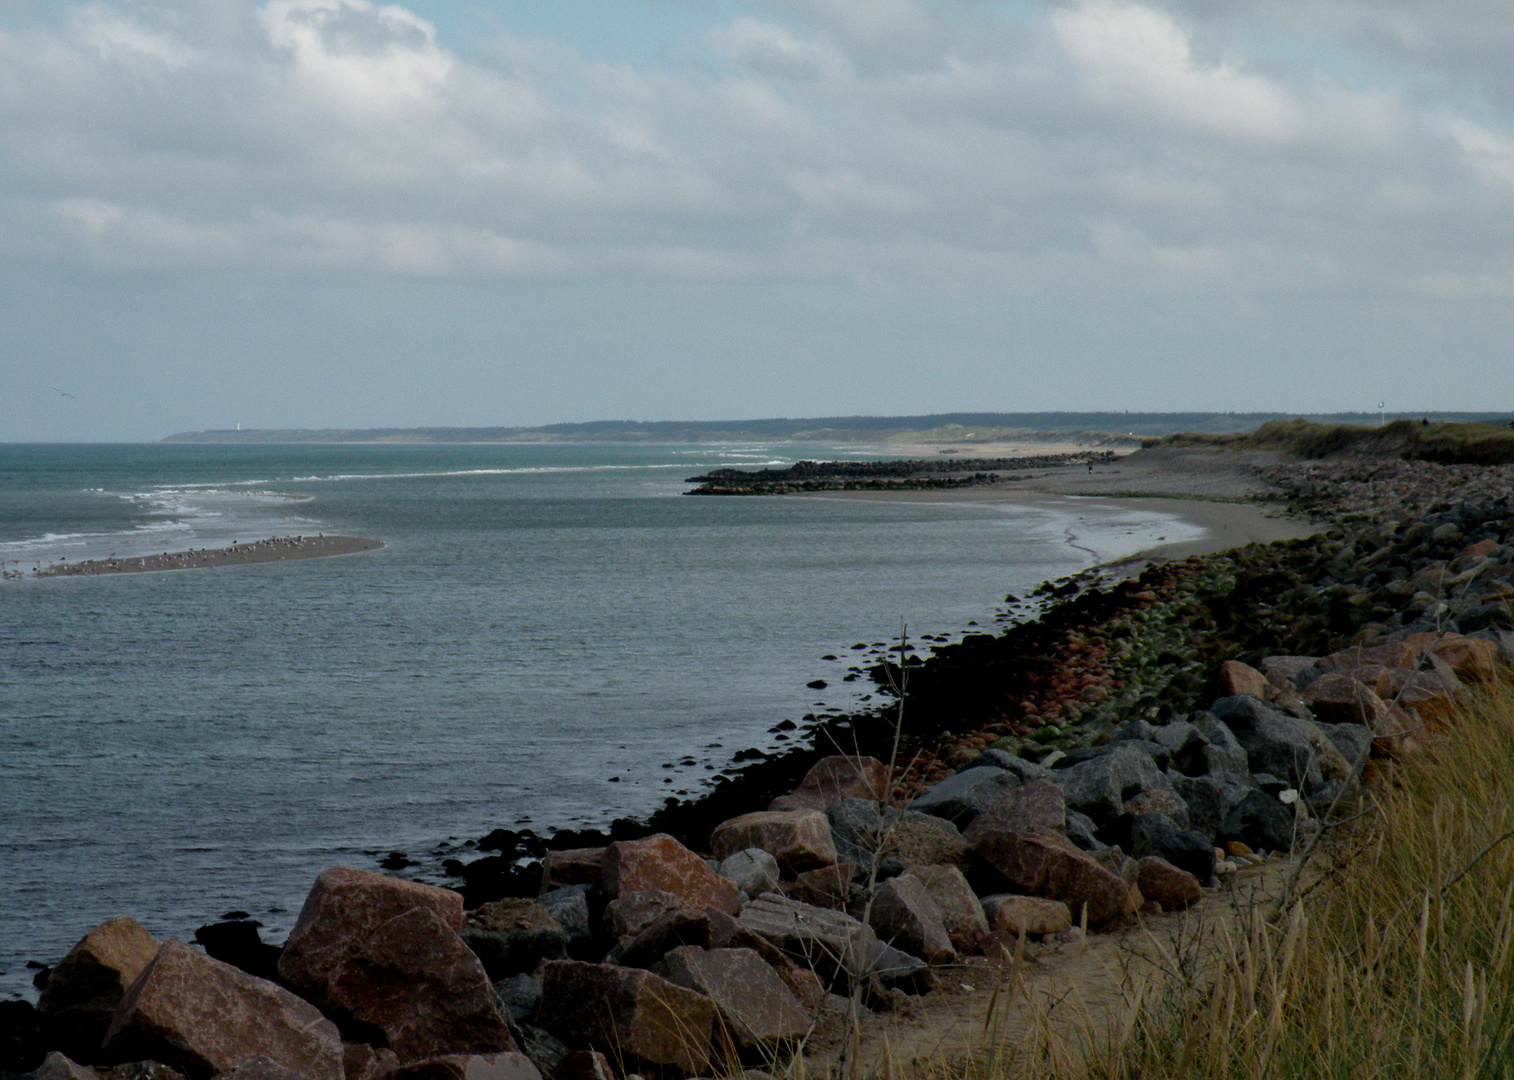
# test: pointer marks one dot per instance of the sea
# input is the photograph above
(551, 636)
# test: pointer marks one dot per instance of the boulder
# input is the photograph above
(1220, 755)
(1470, 658)
(629, 1012)
(1165, 884)
(1034, 807)
(1342, 698)
(56, 1066)
(1140, 835)
(832, 779)
(1238, 678)
(84, 989)
(509, 1065)
(861, 831)
(1388, 654)
(961, 913)
(1274, 742)
(261, 1068)
(569, 907)
(628, 915)
(1260, 822)
(753, 871)
(831, 943)
(1024, 771)
(799, 839)
(756, 1010)
(829, 887)
(727, 933)
(1296, 672)
(204, 1017)
(1052, 867)
(575, 866)
(683, 927)
(1019, 915)
(1399, 733)
(363, 1062)
(513, 935)
(584, 1065)
(1209, 799)
(904, 914)
(378, 952)
(962, 797)
(661, 862)
(1100, 787)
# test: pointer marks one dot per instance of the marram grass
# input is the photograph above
(1396, 960)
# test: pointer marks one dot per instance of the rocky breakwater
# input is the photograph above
(894, 475)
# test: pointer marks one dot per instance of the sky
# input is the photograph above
(341, 213)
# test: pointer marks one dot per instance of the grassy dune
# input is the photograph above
(1394, 961)
(1446, 443)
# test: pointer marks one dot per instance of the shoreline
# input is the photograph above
(272, 549)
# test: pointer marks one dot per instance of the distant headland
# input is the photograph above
(938, 429)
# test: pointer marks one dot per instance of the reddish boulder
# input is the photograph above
(1470, 658)
(628, 915)
(832, 779)
(1036, 807)
(386, 953)
(1051, 867)
(904, 915)
(85, 988)
(630, 1013)
(661, 862)
(755, 1008)
(204, 1017)
(727, 933)
(1238, 678)
(961, 911)
(1164, 883)
(682, 927)
(828, 887)
(798, 839)
(1338, 698)
(1016, 916)
(575, 866)
(509, 1065)
(1389, 654)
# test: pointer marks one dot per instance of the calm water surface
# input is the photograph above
(541, 619)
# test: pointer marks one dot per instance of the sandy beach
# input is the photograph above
(1213, 489)
(274, 549)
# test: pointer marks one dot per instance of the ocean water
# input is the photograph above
(551, 635)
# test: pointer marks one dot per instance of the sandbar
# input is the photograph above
(274, 549)
(1219, 490)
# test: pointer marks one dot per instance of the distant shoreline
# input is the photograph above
(273, 549)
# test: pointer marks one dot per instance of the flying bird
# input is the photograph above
(65, 393)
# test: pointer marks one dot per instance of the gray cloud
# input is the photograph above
(1061, 155)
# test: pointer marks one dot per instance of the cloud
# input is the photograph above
(1101, 144)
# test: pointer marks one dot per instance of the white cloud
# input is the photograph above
(1141, 146)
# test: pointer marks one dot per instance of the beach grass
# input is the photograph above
(1445, 443)
(1395, 960)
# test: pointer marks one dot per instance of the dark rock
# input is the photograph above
(752, 870)
(1101, 787)
(1025, 771)
(628, 915)
(1209, 799)
(572, 866)
(1159, 754)
(21, 1045)
(584, 1065)
(829, 887)
(1260, 822)
(1036, 806)
(1081, 830)
(237, 942)
(685, 927)
(513, 935)
(629, 1012)
(1222, 754)
(508, 1065)
(756, 1009)
(832, 944)
(1140, 835)
(519, 996)
(571, 908)
(1274, 742)
(204, 1017)
(859, 831)
(962, 797)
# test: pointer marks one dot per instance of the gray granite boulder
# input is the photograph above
(753, 871)
(962, 797)
(1101, 786)
(1275, 742)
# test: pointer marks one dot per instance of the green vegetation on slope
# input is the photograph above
(1411, 440)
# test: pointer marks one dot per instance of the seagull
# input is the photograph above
(65, 393)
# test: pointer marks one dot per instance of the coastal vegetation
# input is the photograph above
(1408, 440)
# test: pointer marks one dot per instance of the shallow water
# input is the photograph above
(541, 619)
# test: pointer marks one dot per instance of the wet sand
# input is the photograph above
(1218, 490)
(275, 549)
